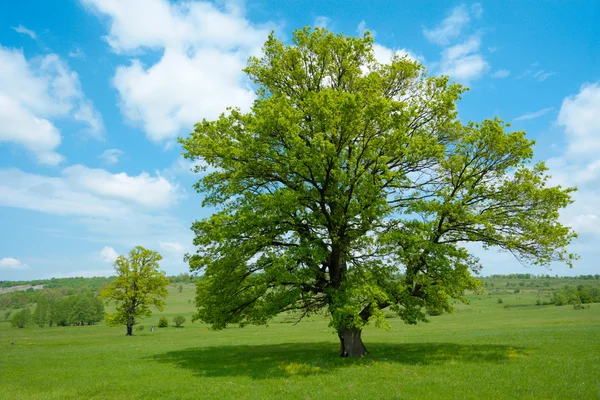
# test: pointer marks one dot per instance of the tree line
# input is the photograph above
(54, 308)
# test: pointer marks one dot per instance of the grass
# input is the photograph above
(484, 350)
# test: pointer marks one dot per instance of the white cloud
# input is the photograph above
(108, 254)
(383, 54)
(111, 156)
(535, 73)
(580, 117)
(77, 53)
(143, 189)
(322, 21)
(172, 247)
(579, 165)
(82, 191)
(199, 74)
(451, 27)
(533, 115)
(34, 92)
(362, 28)
(463, 61)
(25, 31)
(12, 263)
(503, 73)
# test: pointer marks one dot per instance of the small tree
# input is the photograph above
(22, 318)
(163, 322)
(40, 315)
(180, 287)
(7, 315)
(179, 320)
(139, 285)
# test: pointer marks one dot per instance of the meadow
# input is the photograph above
(485, 350)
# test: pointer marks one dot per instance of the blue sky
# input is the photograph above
(93, 94)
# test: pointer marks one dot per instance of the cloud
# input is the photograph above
(172, 247)
(35, 92)
(203, 50)
(534, 115)
(536, 73)
(25, 31)
(579, 115)
(463, 61)
(322, 21)
(451, 27)
(500, 74)
(108, 254)
(111, 156)
(579, 165)
(362, 28)
(12, 263)
(77, 53)
(83, 191)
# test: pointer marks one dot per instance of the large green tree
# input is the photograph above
(351, 187)
(139, 285)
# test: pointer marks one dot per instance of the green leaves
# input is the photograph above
(351, 187)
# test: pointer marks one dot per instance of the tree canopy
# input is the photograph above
(139, 285)
(351, 186)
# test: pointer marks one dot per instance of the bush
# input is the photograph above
(163, 322)
(21, 319)
(500, 301)
(139, 328)
(179, 320)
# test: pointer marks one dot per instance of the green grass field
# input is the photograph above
(483, 351)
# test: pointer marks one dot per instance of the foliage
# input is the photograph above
(163, 322)
(138, 286)
(139, 328)
(352, 186)
(7, 315)
(179, 320)
(21, 319)
(576, 295)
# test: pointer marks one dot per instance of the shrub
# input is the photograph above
(163, 322)
(500, 301)
(139, 328)
(21, 319)
(179, 320)
(578, 306)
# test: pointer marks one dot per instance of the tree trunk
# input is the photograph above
(351, 344)
(129, 330)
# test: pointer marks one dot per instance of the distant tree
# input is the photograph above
(40, 315)
(351, 186)
(7, 315)
(21, 318)
(179, 320)
(138, 286)
(163, 322)
(180, 288)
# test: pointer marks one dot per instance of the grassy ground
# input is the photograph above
(483, 351)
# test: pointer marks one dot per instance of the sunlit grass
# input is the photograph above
(483, 351)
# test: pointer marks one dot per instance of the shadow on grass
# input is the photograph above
(280, 360)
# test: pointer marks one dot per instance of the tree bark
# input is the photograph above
(351, 344)
(129, 330)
